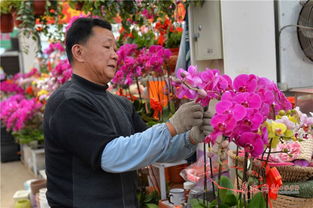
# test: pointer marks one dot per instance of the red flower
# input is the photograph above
(29, 90)
(157, 107)
(161, 40)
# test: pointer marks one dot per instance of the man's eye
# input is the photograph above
(108, 47)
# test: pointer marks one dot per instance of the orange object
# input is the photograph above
(29, 90)
(174, 172)
(292, 100)
(274, 182)
(180, 12)
(167, 204)
(158, 98)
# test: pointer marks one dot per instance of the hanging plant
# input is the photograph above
(6, 9)
(32, 27)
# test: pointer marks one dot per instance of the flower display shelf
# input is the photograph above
(33, 159)
(161, 167)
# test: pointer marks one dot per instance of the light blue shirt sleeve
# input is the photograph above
(141, 149)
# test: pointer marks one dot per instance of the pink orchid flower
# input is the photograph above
(245, 83)
(252, 142)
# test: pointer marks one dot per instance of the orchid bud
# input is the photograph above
(219, 139)
(282, 113)
(202, 93)
(183, 74)
(225, 144)
(210, 154)
(215, 147)
(223, 156)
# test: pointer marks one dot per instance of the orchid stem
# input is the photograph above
(245, 176)
(237, 175)
(267, 158)
(211, 172)
(205, 176)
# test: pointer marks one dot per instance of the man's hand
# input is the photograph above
(188, 115)
(198, 133)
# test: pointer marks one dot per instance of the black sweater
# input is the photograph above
(81, 117)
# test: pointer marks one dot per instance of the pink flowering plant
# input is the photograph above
(134, 63)
(244, 104)
(19, 114)
(136, 67)
(24, 95)
(58, 71)
(243, 110)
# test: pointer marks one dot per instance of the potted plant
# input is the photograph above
(32, 26)
(39, 7)
(6, 8)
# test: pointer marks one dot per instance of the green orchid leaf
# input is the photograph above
(148, 198)
(196, 203)
(223, 206)
(213, 204)
(257, 201)
(225, 182)
(230, 200)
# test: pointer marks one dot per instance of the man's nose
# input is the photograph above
(114, 55)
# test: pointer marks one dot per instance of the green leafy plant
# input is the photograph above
(8, 6)
(32, 30)
(173, 39)
(27, 135)
(148, 200)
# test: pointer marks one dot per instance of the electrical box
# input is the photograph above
(206, 30)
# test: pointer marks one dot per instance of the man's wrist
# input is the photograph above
(171, 129)
(192, 141)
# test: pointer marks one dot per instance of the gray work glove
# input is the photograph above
(198, 133)
(188, 115)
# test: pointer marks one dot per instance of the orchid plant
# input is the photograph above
(244, 106)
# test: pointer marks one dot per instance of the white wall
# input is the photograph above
(249, 37)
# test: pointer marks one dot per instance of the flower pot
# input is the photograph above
(36, 185)
(7, 23)
(174, 173)
(79, 5)
(16, 22)
(173, 59)
(39, 7)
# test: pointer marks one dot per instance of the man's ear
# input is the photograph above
(78, 53)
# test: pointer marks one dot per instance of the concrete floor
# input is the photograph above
(13, 176)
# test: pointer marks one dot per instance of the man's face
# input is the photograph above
(100, 55)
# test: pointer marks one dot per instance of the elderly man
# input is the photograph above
(95, 140)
